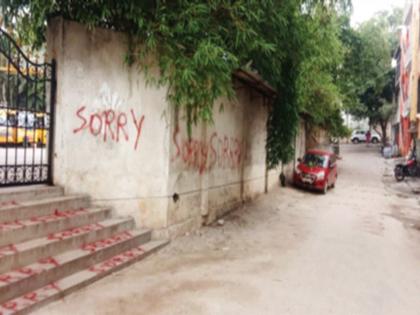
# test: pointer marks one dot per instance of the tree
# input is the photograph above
(308, 82)
(368, 68)
(198, 44)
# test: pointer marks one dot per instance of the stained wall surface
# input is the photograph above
(118, 140)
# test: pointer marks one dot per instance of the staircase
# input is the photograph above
(52, 244)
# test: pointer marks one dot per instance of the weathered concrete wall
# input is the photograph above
(112, 135)
(119, 141)
(300, 149)
(316, 137)
(222, 165)
(300, 142)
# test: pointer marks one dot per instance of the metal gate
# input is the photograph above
(27, 93)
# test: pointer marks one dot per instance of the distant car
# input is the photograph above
(358, 136)
(316, 170)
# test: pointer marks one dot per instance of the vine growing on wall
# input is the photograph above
(198, 44)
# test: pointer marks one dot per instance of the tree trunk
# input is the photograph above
(384, 124)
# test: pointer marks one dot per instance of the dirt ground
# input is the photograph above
(353, 251)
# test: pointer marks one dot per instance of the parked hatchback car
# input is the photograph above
(316, 170)
(358, 136)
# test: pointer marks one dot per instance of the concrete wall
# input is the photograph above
(119, 141)
(221, 166)
(300, 149)
(112, 134)
(316, 137)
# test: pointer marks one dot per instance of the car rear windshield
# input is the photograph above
(315, 160)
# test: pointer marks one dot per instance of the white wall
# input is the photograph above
(221, 166)
(125, 165)
(100, 99)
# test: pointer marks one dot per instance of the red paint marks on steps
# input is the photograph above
(25, 272)
(56, 215)
(8, 250)
(37, 296)
(48, 263)
(62, 235)
(29, 299)
(8, 203)
(118, 260)
(95, 246)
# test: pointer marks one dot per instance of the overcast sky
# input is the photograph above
(364, 9)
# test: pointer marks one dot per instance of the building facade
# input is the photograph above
(406, 131)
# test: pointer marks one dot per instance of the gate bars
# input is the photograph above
(27, 97)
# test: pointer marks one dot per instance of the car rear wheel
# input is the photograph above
(375, 140)
(355, 141)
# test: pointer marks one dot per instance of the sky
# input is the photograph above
(365, 9)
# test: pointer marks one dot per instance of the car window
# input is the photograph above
(315, 160)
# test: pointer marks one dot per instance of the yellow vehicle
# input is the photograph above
(22, 128)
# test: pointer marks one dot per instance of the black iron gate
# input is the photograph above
(27, 93)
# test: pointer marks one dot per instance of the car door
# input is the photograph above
(362, 136)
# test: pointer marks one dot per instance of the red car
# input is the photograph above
(317, 170)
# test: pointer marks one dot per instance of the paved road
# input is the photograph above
(354, 251)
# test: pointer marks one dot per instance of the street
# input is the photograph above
(354, 251)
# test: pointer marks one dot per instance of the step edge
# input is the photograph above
(30, 188)
(85, 282)
(90, 211)
(116, 223)
(73, 257)
(30, 203)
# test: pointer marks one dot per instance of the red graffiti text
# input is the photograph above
(202, 155)
(110, 125)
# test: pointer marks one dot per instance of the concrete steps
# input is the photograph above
(21, 254)
(22, 230)
(52, 244)
(15, 194)
(57, 289)
(18, 210)
(16, 282)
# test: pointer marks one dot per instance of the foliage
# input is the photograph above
(318, 92)
(368, 68)
(197, 45)
(308, 85)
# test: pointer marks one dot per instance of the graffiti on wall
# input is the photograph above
(110, 125)
(218, 150)
(106, 120)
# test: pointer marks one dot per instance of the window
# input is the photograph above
(315, 160)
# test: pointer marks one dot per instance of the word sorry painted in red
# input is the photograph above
(202, 155)
(111, 125)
